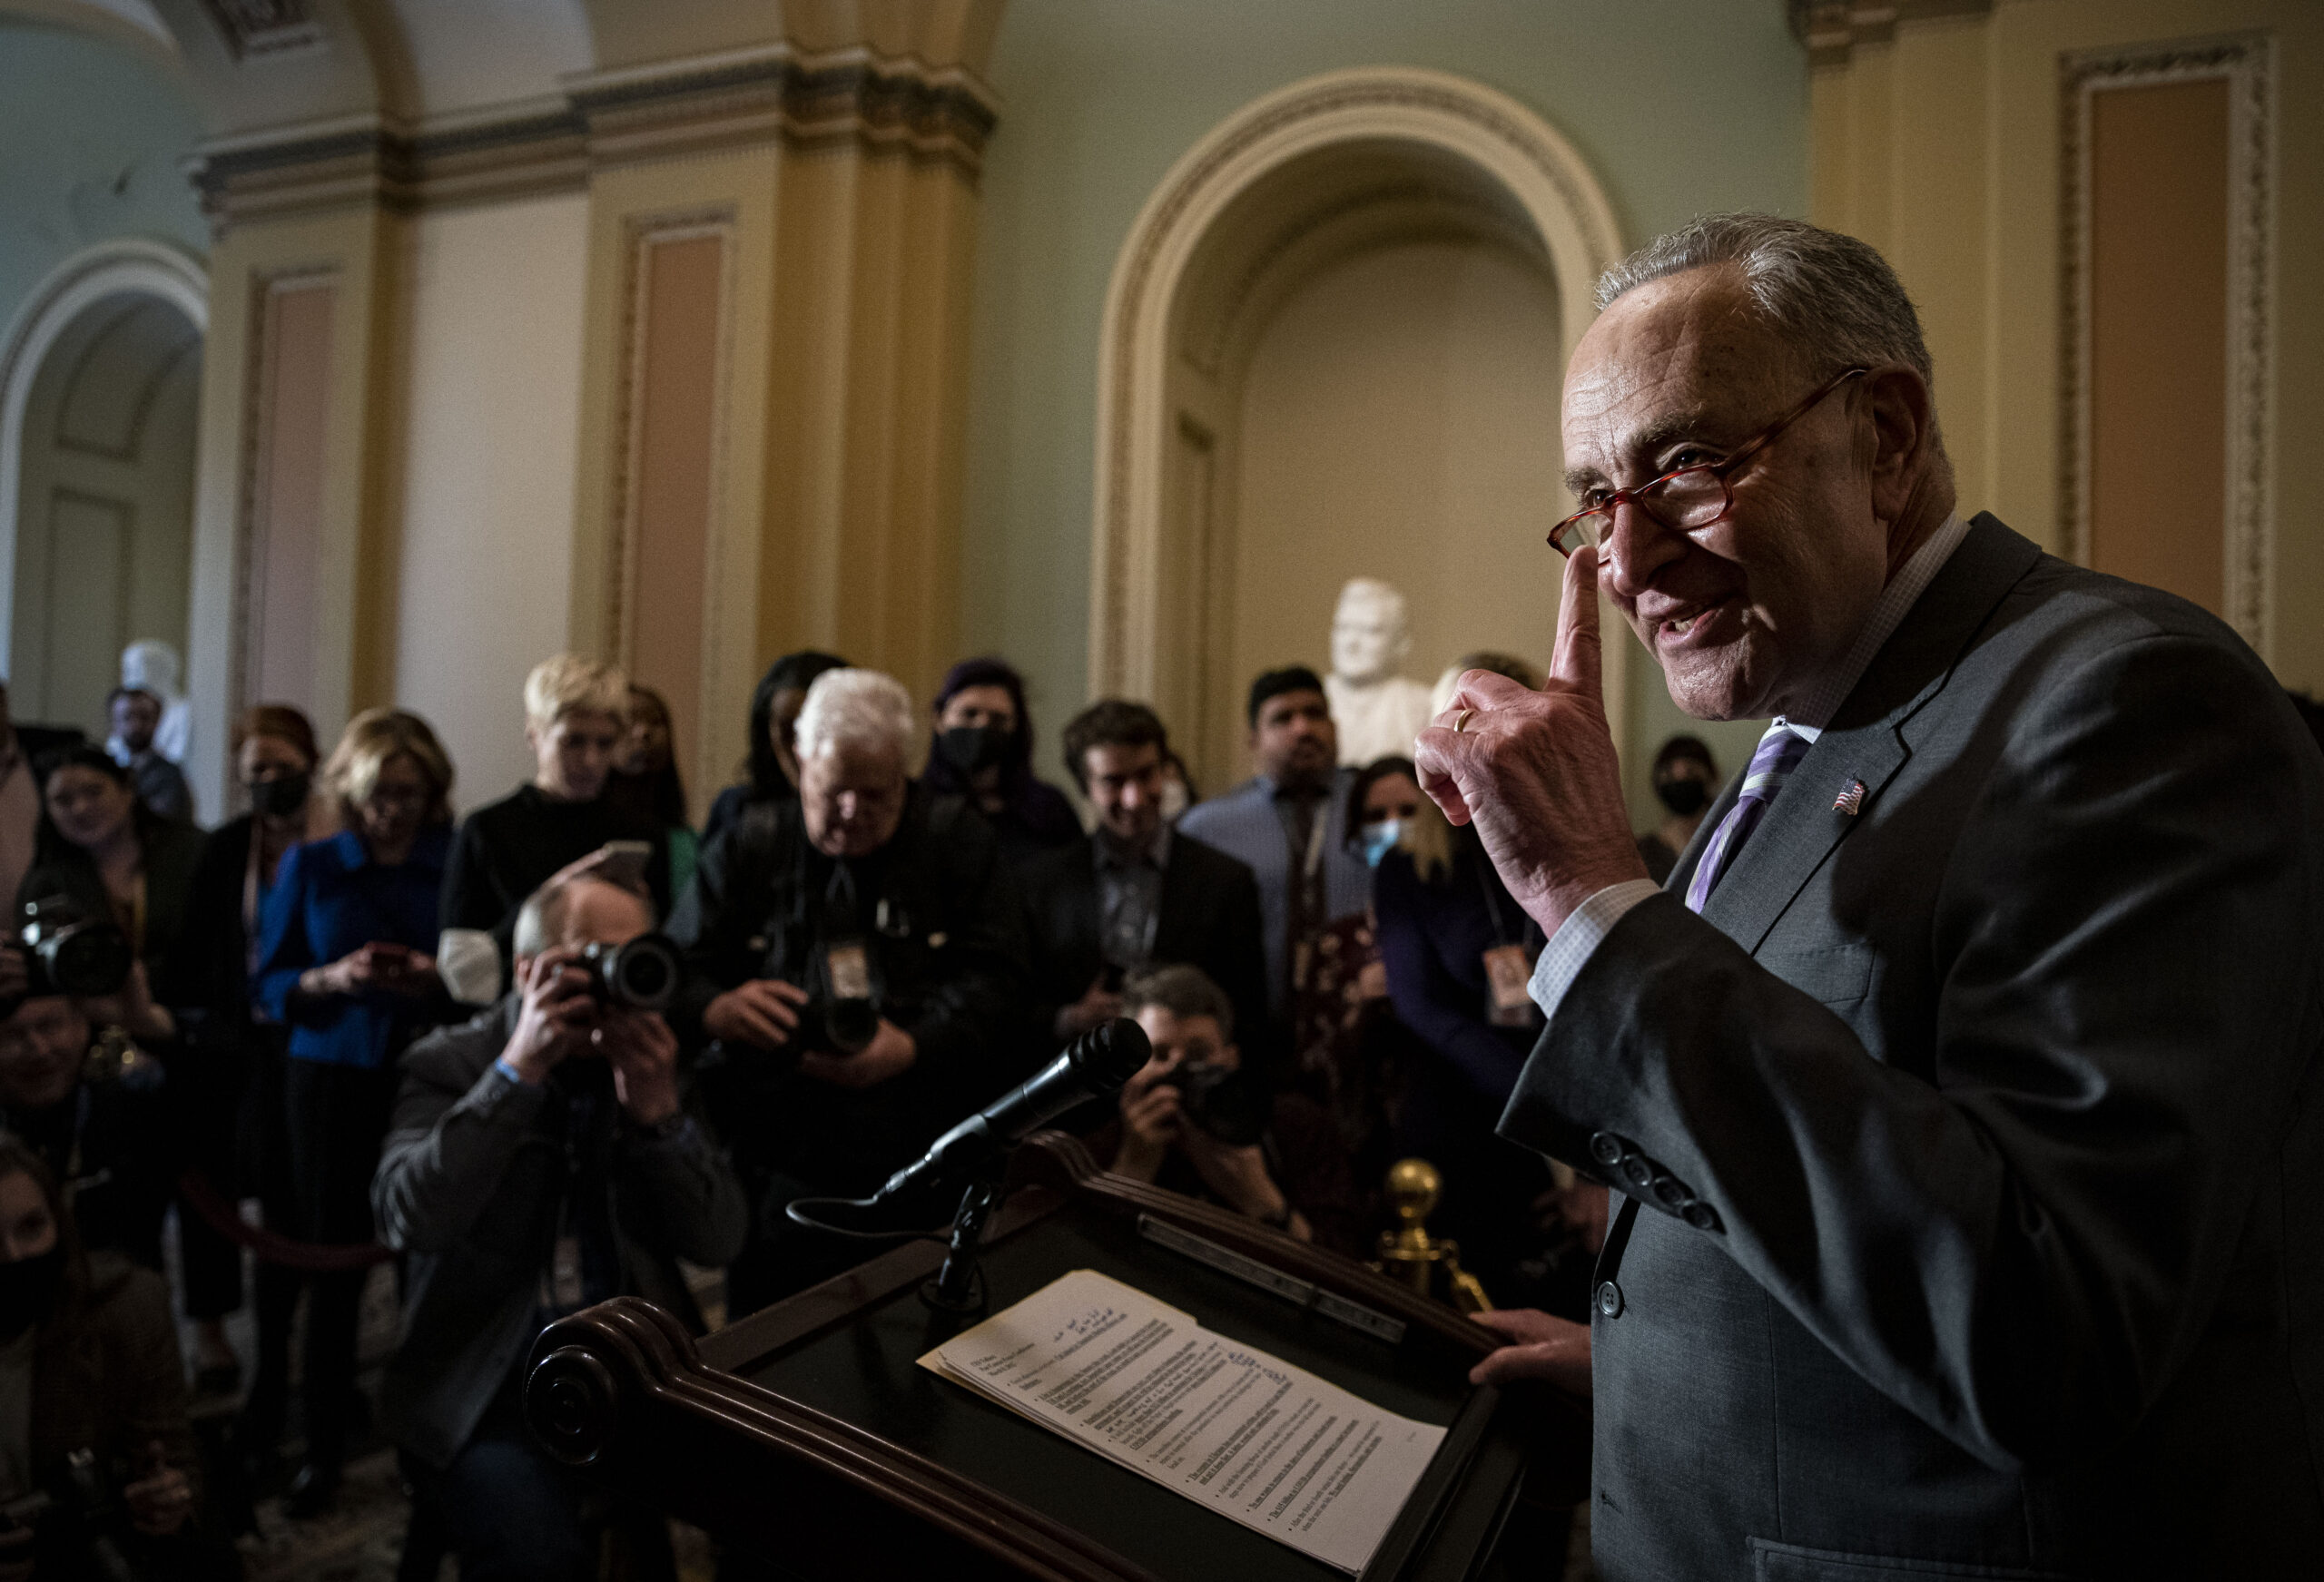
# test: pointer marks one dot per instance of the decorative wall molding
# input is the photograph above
(641, 235)
(112, 269)
(252, 513)
(1830, 30)
(1503, 143)
(738, 100)
(2248, 64)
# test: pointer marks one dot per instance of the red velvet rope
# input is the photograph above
(271, 1246)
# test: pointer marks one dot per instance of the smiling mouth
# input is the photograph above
(1681, 628)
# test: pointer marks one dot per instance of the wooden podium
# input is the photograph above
(808, 1433)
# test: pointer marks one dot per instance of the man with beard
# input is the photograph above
(1287, 824)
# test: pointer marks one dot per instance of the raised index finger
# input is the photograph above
(1575, 664)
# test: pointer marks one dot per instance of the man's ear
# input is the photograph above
(1903, 429)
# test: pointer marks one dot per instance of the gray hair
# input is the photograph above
(1833, 298)
(541, 921)
(856, 708)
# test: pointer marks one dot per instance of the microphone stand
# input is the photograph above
(959, 1287)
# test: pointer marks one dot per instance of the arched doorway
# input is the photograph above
(1332, 347)
(100, 383)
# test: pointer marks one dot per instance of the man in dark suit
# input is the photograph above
(1288, 822)
(1967, 1072)
(1134, 894)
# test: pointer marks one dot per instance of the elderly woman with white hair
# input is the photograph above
(855, 956)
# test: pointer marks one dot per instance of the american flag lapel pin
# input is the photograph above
(1850, 801)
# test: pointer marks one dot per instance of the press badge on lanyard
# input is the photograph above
(849, 966)
(1507, 972)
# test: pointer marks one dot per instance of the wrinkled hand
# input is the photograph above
(1097, 1005)
(557, 1014)
(1554, 1350)
(644, 1057)
(891, 1053)
(15, 976)
(762, 1013)
(1536, 772)
(161, 1501)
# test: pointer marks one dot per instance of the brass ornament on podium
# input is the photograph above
(1430, 1264)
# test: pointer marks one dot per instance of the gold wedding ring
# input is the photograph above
(1460, 721)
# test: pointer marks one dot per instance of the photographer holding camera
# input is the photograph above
(1192, 1121)
(857, 956)
(75, 1088)
(98, 1469)
(540, 1160)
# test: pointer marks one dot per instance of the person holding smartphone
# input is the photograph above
(344, 961)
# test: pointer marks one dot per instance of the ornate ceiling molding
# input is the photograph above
(1831, 29)
(738, 100)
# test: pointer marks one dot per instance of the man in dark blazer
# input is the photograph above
(1962, 1086)
(1135, 893)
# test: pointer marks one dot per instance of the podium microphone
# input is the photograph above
(1097, 1061)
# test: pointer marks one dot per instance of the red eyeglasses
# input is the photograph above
(1692, 497)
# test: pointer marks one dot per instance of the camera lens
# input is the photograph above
(641, 975)
(646, 977)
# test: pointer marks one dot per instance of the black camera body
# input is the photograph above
(67, 953)
(836, 1026)
(76, 1524)
(1220, 1100)
(641, 975)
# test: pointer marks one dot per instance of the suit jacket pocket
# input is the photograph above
(1774, 1562)
(1836, 975)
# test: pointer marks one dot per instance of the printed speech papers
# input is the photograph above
(1253, 1437)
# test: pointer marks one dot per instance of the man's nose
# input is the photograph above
(1634, 548)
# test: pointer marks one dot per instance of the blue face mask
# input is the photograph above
(1380, 838)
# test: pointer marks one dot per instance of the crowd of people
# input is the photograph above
(393, 1035)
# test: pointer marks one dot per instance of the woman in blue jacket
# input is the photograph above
(346, 960)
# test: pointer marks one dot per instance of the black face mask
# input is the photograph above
(279, 798)
(1685, 798)
(968, 748)
(28, 1289)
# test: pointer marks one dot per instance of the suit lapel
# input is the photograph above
(1865, 740)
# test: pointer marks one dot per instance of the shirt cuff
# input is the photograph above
(501, 1066)
(1578, 936)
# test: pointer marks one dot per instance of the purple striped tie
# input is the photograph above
(1779, 753)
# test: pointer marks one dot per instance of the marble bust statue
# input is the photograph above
(1377, 711)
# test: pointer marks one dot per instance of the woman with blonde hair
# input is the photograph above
(344, 961)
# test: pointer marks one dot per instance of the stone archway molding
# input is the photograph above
(126, 266)
(1536, 165)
